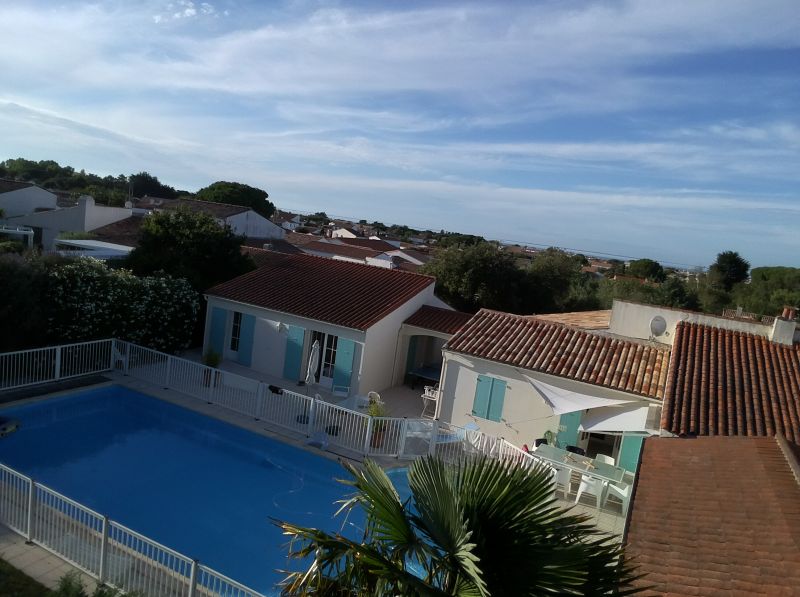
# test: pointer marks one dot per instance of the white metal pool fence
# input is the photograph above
(106, 550)
(119, 556)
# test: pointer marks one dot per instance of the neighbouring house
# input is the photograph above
(242, 220)
(375, 244)
(19, 198)
(587, 320)
(344, 233)
(84, 217)
(269, 319)
(343, 252)
(520, 377)
(716, 516)
(287, 220)
(122, 232)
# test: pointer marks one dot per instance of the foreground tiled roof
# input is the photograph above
(716, 516)
(588, 320)
(6, 185)
(343, 293)
(565, 351)
(446, 321)
(723, 382)
(320, 246)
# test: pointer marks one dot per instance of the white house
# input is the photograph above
(242, 220)
(20, 198)
(268, 320)
(520, 377)
(286, 220)
(344, 233)
(84, 217)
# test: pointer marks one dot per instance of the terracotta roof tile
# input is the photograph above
(446, 321)
(724, 382)
(343, 293)
(7, 185)
(565, 351)
(716, 515)
(123, 232)
(588, 320)
(369, 243)
(320, 246)
(217, 210)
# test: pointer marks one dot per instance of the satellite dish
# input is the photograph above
(658, 325)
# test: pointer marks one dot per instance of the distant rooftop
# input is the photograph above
(7, 185)
(588, 320)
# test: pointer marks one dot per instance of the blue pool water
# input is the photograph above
(200, 486)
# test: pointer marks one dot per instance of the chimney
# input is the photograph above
(783, 327)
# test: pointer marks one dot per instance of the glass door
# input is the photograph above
(327, 344)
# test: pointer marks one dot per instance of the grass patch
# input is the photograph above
(15, 583)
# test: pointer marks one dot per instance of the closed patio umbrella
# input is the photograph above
(313, 363)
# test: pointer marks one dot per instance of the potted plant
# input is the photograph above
(377, 409)
(210, 359)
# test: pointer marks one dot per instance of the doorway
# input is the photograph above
(327, 344)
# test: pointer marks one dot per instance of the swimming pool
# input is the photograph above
(200, 486)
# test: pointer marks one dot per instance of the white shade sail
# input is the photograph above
(566, 401)
(629, 417)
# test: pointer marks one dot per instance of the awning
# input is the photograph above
(630, 417)
(566, 401)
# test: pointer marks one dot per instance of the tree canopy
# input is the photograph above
(481, 527)
(190, 245)
(730, 268)
(647, 269)
(236, 193)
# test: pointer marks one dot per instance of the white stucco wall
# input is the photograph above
(526, 416)
(381, 356)
(633, 320)
(26, 201)
(253, 225)
(380, 261)
(342, 233)
(84, 217)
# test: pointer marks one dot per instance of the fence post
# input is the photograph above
(126, 359)
(167, 373)
(58, 363)
(193, 579)
(368, 437)
(31, 510)
(434, 435)
(403, 431)
(103, 551)
(112, 347)
(312, 411)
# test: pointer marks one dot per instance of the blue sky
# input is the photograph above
(668, 130)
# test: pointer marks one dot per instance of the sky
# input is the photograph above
(642, 128)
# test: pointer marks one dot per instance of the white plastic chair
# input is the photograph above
(562, 480)
(623, 493)
(430, 398)
(594, 486)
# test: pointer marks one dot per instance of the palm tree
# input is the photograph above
(477, 528)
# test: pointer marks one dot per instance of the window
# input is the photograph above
(489, 397)
(236, 331)
(330, 356)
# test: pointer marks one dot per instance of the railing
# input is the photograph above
(748, 316)
(53, 363)
(106, 550)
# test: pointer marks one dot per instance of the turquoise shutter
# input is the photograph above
(246, 333)
(292, 360)
(629, 452)
(496, 399)
(483, 393)
(343, 365)
(568, 429)
(219, 319)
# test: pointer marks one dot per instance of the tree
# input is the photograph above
(475, 276)
(189, 245)
(236, 193)
(144, 183)
(730, 269)
(480, 527)
(769, 290)
(552, 276)
(647, 269)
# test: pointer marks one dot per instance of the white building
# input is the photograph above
(520, 377)
(84, 217)
(21, 198)
(242, 220)
(268, 320)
